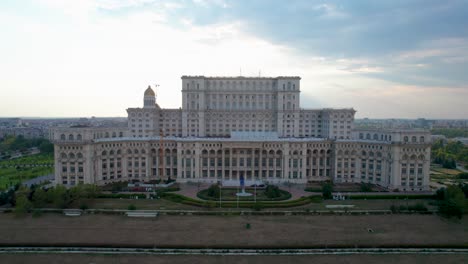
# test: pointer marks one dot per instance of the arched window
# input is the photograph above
(405, 139)
(70, 137)
(368, 136)
(79, 137)
(421, 139)
(361, 136)
(79, 155)
(62, 137)
(71, 156)
(107, 134)
(63, 156)
(376, 137)
(114, 134)
(413, 139)
(104, 153)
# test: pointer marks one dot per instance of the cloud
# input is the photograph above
(97, 57)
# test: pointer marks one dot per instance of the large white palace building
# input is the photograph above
(232, 127)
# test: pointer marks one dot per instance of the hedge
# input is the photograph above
(232, 204)
(391, 196)
(121, 195)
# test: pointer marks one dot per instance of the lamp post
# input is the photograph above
(255, 191)
(220, 192)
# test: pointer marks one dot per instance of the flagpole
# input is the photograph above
(237, 196)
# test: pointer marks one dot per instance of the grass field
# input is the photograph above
(231, 231)
(11, 173)
(342, 259)
(445, 176)
(33, 159)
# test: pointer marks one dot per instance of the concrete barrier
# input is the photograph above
(141, 214)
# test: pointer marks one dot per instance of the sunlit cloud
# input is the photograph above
(85, 58)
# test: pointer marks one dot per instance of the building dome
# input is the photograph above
(150, 92)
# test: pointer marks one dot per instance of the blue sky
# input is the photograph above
(384, 58)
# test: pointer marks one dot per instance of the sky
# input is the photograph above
(386, 59)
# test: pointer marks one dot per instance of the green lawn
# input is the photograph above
(33, 159)
(229, 194)
(12, 173)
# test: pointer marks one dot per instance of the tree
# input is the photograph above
(453, 203)
(214, 191)
(464, 188)
(462, 175)
(366, 187)
(39, 198)
(272, 191)
(46, 147)
(23, 205)
(59, 196)
(327, 189)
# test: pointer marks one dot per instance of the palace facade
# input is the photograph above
(230, 127)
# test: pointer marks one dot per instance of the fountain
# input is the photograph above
(242, 184)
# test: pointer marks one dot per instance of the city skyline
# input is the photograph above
(95, 58)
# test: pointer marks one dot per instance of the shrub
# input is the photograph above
(121, 195)
(391, 196)
(462, 175)
(257, 206)
(84, 206)
(327, 189)
(214, 191)
(36, 213)
(420, 207)
(272, 191)
(366, 187)
(453, 203)
(131, 207)
(440, 194)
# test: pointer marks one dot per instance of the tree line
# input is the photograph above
(20, 143)
(450, 132)
(27, 199)
(448, 154)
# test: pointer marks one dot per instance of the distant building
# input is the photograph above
(241, 127)
(26, 132)
(463, 140)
